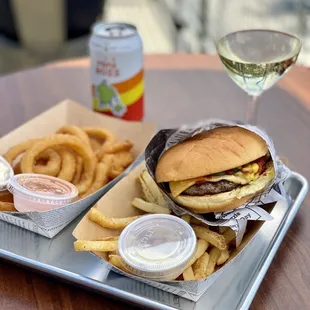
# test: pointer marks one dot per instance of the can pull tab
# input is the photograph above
(116, 31)
(120, 30)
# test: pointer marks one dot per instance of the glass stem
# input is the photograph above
(252, 110)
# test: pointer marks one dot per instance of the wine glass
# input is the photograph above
(256, 59)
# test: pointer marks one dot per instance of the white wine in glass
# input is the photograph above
(256, 60)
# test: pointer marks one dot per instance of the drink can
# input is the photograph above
(117, 77)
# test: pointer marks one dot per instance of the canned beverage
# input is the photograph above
(117, 70)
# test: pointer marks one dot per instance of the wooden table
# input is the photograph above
(180, 88)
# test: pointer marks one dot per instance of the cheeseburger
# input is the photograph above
(216, 170)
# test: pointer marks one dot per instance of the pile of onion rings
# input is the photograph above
(88, 157)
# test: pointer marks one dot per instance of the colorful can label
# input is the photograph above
(117, 70)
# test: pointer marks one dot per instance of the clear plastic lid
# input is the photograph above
(6, 173)
(42, 188)
(157, 246)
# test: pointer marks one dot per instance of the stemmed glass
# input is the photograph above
(256, 59)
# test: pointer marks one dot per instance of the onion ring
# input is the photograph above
(18, 149)
(112, 148)
(52, 168)
(95, 144)
(117, 147)
(114, 173)
(68, 164)
(118, 162)
(101, 179)
(6, 196)
(78, 170)
(7, 207)
(100, 133)
(74, 131)
(53, 165)
(72, 142)
(17, 169)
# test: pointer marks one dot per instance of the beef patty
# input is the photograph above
(209, 188)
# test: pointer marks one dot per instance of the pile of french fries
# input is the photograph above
(213, 248)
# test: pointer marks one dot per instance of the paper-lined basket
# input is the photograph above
(117, 203)
(69, 112)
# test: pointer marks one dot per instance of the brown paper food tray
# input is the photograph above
(117, 203)
(69, 112)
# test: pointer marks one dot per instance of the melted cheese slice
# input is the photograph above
(178, 187)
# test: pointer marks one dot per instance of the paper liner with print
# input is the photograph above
(117, 203)
(237, 218)
(51, 222)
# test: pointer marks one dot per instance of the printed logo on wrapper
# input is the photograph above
(236, 219)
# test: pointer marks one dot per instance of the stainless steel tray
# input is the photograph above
(235, 289)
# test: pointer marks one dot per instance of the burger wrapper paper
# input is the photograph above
(68, 112)
(236, 219)
(117, 203)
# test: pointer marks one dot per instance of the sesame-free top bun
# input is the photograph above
(209, 152)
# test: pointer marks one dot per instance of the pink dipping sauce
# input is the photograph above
(38, 192)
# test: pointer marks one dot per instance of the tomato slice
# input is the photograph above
(261, 163)
(198, 182)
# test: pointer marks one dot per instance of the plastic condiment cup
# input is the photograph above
(157, 246)
(6, 173)
(38, 192)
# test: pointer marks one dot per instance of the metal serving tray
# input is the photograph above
(57, 257)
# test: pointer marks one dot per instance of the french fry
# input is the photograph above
(154, 189)
(197, 222)
(222, 229)
(223, 257)
(214, 238)
(111, 238)
(100, 246)
(147, 195)
(186, 218)
(109, 222)
(149, 207)
(202, 246)
(188, 274)
(229, 235)
(200, 266)
(213, 257)
(116, 261)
